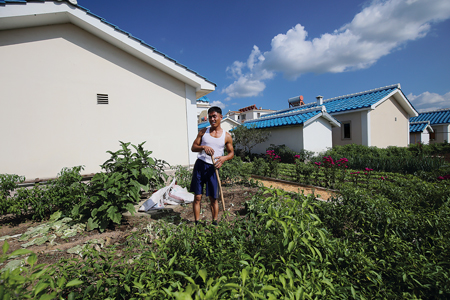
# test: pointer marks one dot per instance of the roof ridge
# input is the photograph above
(286, 114)
(418, 122)
(436, 110)
(397, 85)
(117, 28)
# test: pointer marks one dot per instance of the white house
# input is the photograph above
(248, 113)
(227, 124)
(203, 105)
(74, 85)
(439, 121)
(378, 117)
(308, 129)
(419, 132)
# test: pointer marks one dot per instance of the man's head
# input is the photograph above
(215, 109)
(214, 116)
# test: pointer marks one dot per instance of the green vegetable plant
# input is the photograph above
(111, 193)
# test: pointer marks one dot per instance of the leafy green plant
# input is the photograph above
(66, 190)
(260, 167)
(183, 176)
(32, 281)
(288, 155)
(234, 171)
(111, 193)
(8, 183)
(245, 139)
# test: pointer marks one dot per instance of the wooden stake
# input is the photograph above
(218, 181)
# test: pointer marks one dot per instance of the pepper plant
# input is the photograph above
(119, 188)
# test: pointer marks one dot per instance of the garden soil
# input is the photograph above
(51, 250)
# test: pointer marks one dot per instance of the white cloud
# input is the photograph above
(244, 87)
(219, 104)
(429, 101)
(379, 29)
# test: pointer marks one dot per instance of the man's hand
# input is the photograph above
(219, 161)
(208, 150)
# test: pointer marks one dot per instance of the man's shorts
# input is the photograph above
(204, 173)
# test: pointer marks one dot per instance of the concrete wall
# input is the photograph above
(442, 133)
(49, 116)
(291, 136)
(317, 136)
(356, 129)
(389, 125)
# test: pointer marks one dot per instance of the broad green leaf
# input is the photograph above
(91, 224)
(172, 260)
(291, 246)
(353, 292)
(61, 281)
(39, 287)
(269, 223)
(74, 282)
(268, 288)
(5, 247)
(203, 274)
(21, 252)
(32, 259)
(48, 297)
(244, 275)
(130, 208)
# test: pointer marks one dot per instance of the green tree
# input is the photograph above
(245, 138)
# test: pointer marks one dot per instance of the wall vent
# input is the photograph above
(102, 98)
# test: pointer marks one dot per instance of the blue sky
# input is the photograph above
(265, 52)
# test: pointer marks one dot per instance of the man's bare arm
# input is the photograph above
(197, 147)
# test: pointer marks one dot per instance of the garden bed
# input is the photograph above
(289, 186)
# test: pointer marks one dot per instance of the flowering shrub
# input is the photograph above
(445, 177)
(303, 171)
(355, 177)
(330, 169)
(273, 159)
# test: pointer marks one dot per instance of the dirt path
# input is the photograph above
(287, 186)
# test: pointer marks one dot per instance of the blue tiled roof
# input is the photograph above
(348, 102)
(441, 116)
(418, 126)
(203, 125)
(203, 99)
(292, 118)
(115, 28)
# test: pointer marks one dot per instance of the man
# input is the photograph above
(210, 141)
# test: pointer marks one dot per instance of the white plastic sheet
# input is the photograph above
(172, 194)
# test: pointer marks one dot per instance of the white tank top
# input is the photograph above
(218, 144)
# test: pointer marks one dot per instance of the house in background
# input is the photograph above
(439, 120)
(419, 132)
(74, 85)
(227, 124)
(378, 117)
(202, 109)
(307, 129)
(248, 113)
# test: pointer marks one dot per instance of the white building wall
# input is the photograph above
(291, 136)
(389, 125)
(441, 133)
(317, 136)
(49, 117)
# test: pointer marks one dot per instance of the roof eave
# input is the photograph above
(401, 99)
(16, 16)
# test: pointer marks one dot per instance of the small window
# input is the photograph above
(432, 135)
(102, 98)
(346, 131)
